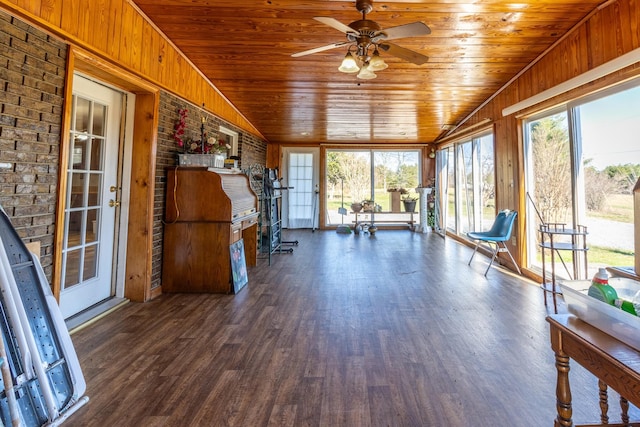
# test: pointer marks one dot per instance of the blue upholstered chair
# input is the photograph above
(499, 233)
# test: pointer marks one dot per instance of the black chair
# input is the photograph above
(499, 233)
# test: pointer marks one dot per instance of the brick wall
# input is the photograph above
(32, 69)
(251, 150)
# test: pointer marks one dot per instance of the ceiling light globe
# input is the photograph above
(377, 63)
(349, 64)
(366, 73)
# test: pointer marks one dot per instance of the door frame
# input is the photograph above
(134, 251)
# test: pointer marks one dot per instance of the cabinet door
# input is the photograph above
(196, 258)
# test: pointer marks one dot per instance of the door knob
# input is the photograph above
(113, 203)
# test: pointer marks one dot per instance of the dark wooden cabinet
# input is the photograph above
(206, 211)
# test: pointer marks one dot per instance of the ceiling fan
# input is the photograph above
(365, 36)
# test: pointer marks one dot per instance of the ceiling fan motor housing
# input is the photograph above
(366, 31)
(364, 6)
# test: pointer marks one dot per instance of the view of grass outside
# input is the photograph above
(350, 175)
(610, 166)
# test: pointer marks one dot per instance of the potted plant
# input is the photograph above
(431, 218)
(431, 208)
(207, 151)
(396, 194)
(368, 205)
(409, 202)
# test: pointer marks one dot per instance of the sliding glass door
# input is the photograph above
(466, 184)
(582, 161)
(367, 175)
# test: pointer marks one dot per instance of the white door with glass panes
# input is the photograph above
(300, 173)
(91, 196)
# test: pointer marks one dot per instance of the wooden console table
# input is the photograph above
(615, 364)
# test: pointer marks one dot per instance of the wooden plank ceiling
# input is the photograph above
(244, 47)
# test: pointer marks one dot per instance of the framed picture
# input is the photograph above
(229, 137)
(238, 266)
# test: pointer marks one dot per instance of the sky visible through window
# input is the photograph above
(611, 129)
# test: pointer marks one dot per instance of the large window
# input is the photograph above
(466, 181)
(582, 161)
(356, 176)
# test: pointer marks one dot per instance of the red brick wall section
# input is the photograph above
(251, 150)
(32, 69)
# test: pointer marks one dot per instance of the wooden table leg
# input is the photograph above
(563, 392)
(624, 406)
(604, 402)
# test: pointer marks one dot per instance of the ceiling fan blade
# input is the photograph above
(319, 49)
(414, 29)
(404, 53)
(335, 24)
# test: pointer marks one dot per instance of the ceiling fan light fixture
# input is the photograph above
(366, 73)
(377, 63)
(349, 64)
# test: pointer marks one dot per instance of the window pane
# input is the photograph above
(95, 180)
(451, 190)
(72, 268)
(99, 115)
(82, 115)
(465, 186)
(78, 152)
(607, 132)
(91, 227)
(487, 204)
(96, 153)
(90, 262)
(78, 180)
(394, 170)
(548, 177)
(349, 171)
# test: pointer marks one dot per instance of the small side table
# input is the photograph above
(556, 237)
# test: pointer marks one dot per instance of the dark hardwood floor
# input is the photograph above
(391, 330)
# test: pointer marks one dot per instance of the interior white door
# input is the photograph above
(91, 196)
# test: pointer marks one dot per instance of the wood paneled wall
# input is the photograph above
(115, 30)
(608, 33)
